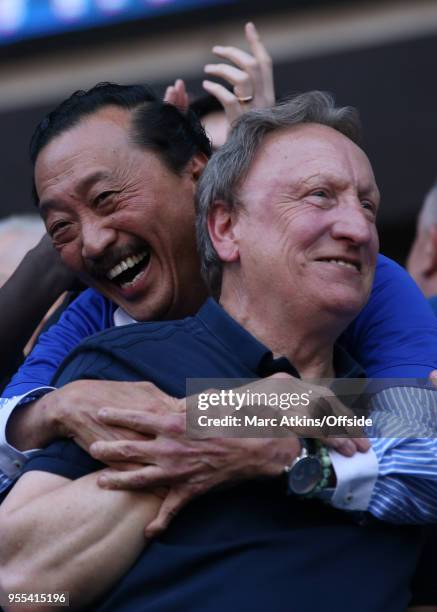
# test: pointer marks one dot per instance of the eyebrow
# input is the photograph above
(371, 191)
(47, 205)
(88, 180)
(81, 186)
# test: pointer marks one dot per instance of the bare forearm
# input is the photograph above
(78, 538)
(71, 412)
(32, 425)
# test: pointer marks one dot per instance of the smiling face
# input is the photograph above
(305, 237)
(120, 218)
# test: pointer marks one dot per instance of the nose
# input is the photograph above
(97, 237)
(352, 224)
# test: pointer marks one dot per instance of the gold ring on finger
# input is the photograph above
(245, 99)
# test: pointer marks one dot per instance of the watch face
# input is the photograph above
(305, 475)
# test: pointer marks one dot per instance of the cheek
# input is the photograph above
(178, 229)
(375, 245)
(72, 257)
(303, 235)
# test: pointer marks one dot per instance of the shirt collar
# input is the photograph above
(255, 355)
(345, 366)
(122, 318)
(232, 335)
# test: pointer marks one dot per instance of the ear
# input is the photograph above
(430, 264)
(222, 221)
(196, 166)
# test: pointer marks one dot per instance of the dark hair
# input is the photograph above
(156, 125)
(204, 105)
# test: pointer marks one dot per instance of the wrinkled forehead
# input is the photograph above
(307, 150)
(98, 145)
(100, 135)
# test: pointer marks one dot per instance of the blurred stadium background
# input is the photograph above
(380, 56)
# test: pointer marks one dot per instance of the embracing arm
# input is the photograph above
(406, 488)
(87, 315)
(395, 342)
(396, 480)
(388, 338)
(24, 423)
(59, 534)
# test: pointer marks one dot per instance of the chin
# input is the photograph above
(152, 307)
(346, 305)
(145, 312)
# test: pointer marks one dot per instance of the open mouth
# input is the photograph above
(343, 262)
(128, 271)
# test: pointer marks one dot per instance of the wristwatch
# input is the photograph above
(305, 472)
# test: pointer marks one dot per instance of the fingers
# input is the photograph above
(250, 75)
(347, 446)
(121, 450)
(182, 95)
(255, 44)
(265, 63)
(238, 78)
(362, 444)
(258, 66)
(132, 479)
(240, 58)
(226, 98)
(246, 78)
(152, 451)
(170, 95)
(175, 500)
(172, 424)
(177, 95)
(344, 446)
(125, 467)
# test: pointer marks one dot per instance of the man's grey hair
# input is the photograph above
(228, 168)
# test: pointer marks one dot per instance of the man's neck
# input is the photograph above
(304, 338)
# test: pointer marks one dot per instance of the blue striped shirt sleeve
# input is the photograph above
(11, 459)
(403, 437)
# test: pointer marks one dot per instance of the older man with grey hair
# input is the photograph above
(287, 234)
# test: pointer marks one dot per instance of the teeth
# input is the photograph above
(341, 262)
(125, 264)
(133, 281)
(116, 270)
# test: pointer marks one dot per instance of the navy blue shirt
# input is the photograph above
(249, 546)
(433, 303)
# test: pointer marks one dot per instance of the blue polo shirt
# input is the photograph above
(248, 547)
